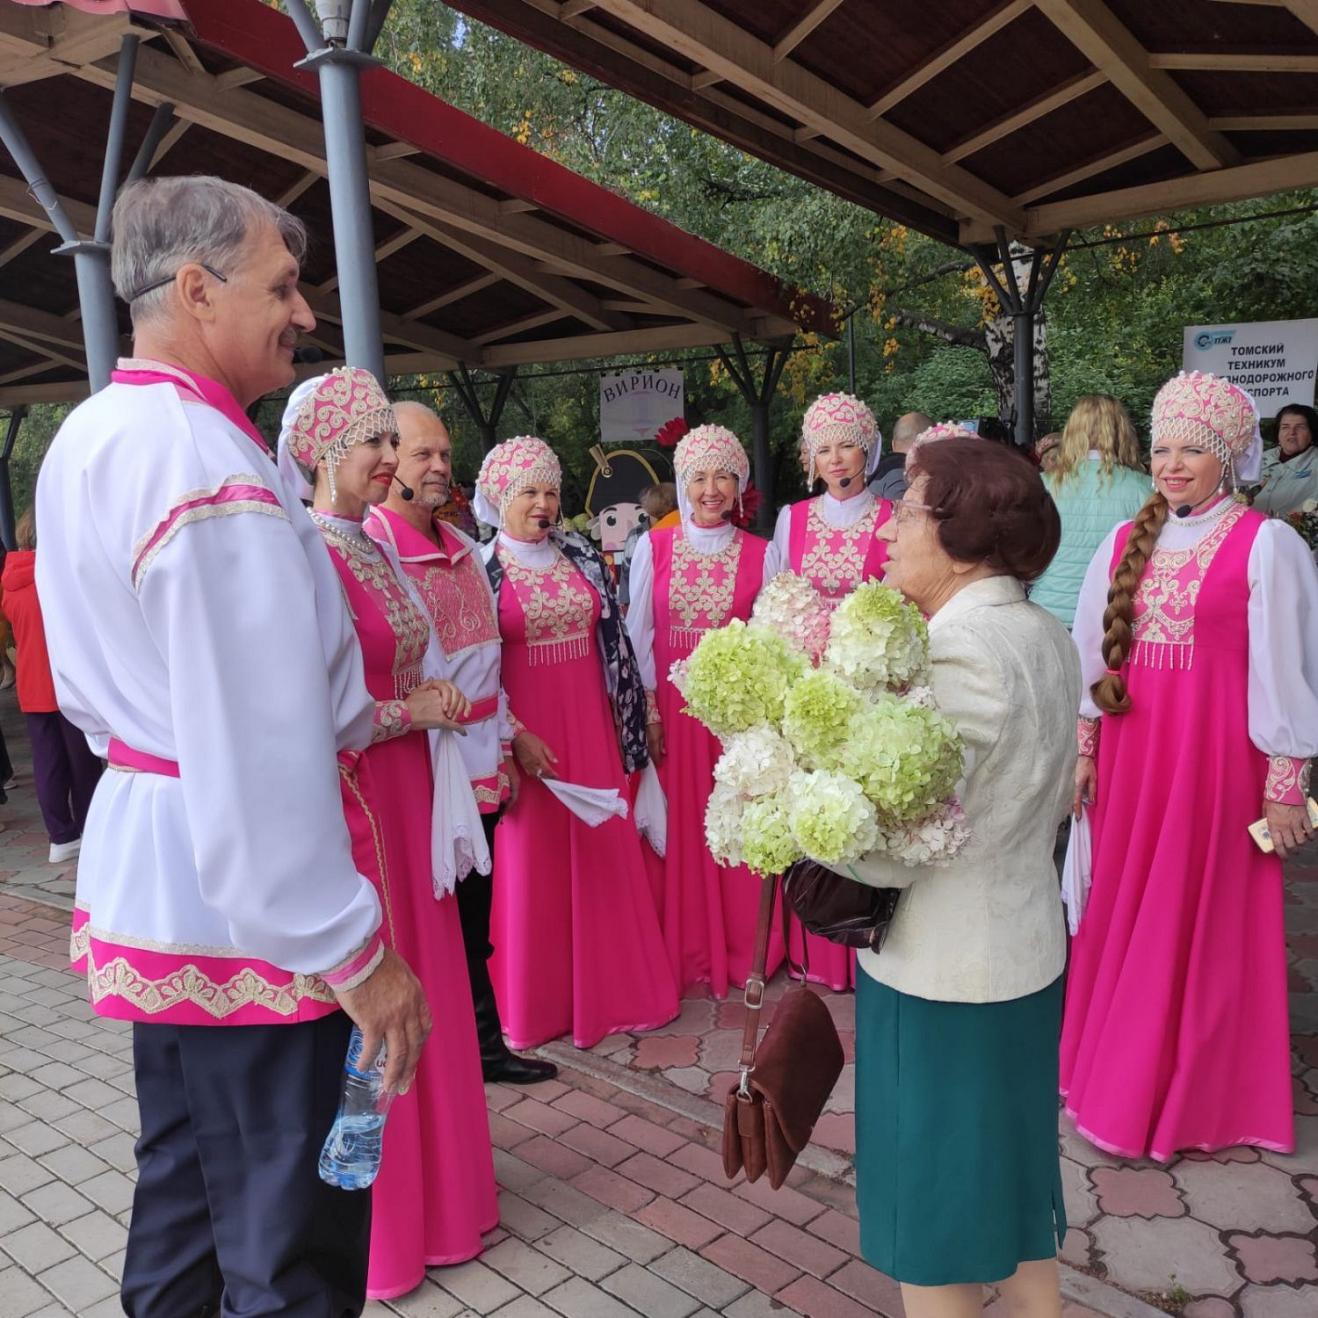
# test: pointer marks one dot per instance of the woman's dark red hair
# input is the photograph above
(990, 505)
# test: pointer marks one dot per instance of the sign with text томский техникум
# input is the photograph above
(1273, 360)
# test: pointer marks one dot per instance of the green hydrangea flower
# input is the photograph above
(817, 716)
(906, 757)
(738, 677)
(767, 844)
(831, 818)
(878, 640)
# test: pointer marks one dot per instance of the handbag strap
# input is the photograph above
(754, 992)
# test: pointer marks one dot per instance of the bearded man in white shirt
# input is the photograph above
(198, 638)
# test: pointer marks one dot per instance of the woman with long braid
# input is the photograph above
(1197, 627)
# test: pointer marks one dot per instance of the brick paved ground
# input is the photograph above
(613, 1200)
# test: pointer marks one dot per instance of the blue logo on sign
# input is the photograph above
(1213, 338)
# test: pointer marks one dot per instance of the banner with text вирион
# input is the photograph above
(1274, 360)
(634, 404)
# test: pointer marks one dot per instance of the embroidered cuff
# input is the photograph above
(651, 709)
(1086, 735)
(392, 719)
(516, 724)
(1288, 780)
(358, 968)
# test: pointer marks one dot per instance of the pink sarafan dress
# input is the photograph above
(834, 559)
(1175, 1033)
(435, 1194)
(577, 948)
(709, 911)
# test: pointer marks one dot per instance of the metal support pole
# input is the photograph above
(7, 520)
(350, 196)
(161, 122)
(851, 351)
(758, 397)
(358, 20)
(114, 137)
(1022, 329)
(100, 317)
(16, 143)
(306, 25)
(486, 423)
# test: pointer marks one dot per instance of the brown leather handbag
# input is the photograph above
(769, 1114)
(837, 908)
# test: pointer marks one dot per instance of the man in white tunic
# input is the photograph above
(448, 578)
(198, 637)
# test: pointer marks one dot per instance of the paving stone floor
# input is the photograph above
(613, 1201)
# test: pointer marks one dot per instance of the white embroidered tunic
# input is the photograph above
(193, 614)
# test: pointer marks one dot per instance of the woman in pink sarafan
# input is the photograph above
(577, 948)
(435, 1194)
(687, 580)
(1200, 714)
(832, 541)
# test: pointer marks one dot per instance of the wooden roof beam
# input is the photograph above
(464, 289)
(803, 27)
(394, 329)
(1110, 46)
(944, 58)
(19, 246)
(419, 194)
(1044, 105)
(1240, 182)
(382, 253)
(1238, 62)
(37, 324)
(1091, 168)
(1266, 123)
(519, 326)
(714, 42)
(1305, 10)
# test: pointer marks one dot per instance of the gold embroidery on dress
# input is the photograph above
(701, 590)
(834, 558)
(559, 609)
(1166, 601)
(370, 569)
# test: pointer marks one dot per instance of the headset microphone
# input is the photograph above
(845, 482)
(1186, 509)
(726, 514)
(543, 523)
(406, 491)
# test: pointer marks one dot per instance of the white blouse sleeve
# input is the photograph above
(782, 534)
(1283, 644)
(1087, 630)
(640, 612)
(773, 562)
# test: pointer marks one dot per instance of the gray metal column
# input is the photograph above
(1022, 305)
(759, 397)
(339, 68)
(91, 256)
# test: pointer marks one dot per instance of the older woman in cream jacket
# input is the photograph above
(958, 1015)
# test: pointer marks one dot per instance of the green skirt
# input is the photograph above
(957, 1172)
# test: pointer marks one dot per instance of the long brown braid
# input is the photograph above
(1109, 692)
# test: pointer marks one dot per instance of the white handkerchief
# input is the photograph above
(1077, 871)
(652, 811)
(457, 837)
(592, 805)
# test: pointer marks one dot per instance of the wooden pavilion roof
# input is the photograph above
(488, 254)
(962, 116)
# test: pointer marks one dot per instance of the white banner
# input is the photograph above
(634, 404)
(1274, 360)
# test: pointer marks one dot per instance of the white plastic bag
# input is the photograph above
(1077, 870)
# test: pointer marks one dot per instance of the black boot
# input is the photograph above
(497, 1062)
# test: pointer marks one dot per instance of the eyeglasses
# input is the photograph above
(904, 510)
(160, 283)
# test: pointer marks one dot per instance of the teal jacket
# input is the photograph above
(1090, 504)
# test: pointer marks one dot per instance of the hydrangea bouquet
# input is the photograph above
(832, 744)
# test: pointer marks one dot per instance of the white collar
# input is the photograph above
(708, 539)
(841, 513)
(537, 554)
(1219, 509)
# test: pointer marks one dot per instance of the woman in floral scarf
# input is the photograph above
(577, 948)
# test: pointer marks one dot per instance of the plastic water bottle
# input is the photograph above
(351, 1156)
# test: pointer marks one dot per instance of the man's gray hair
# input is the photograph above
(162, 224)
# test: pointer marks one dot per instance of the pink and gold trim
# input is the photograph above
(358, 968)
(1287, 781)
(235, 494)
